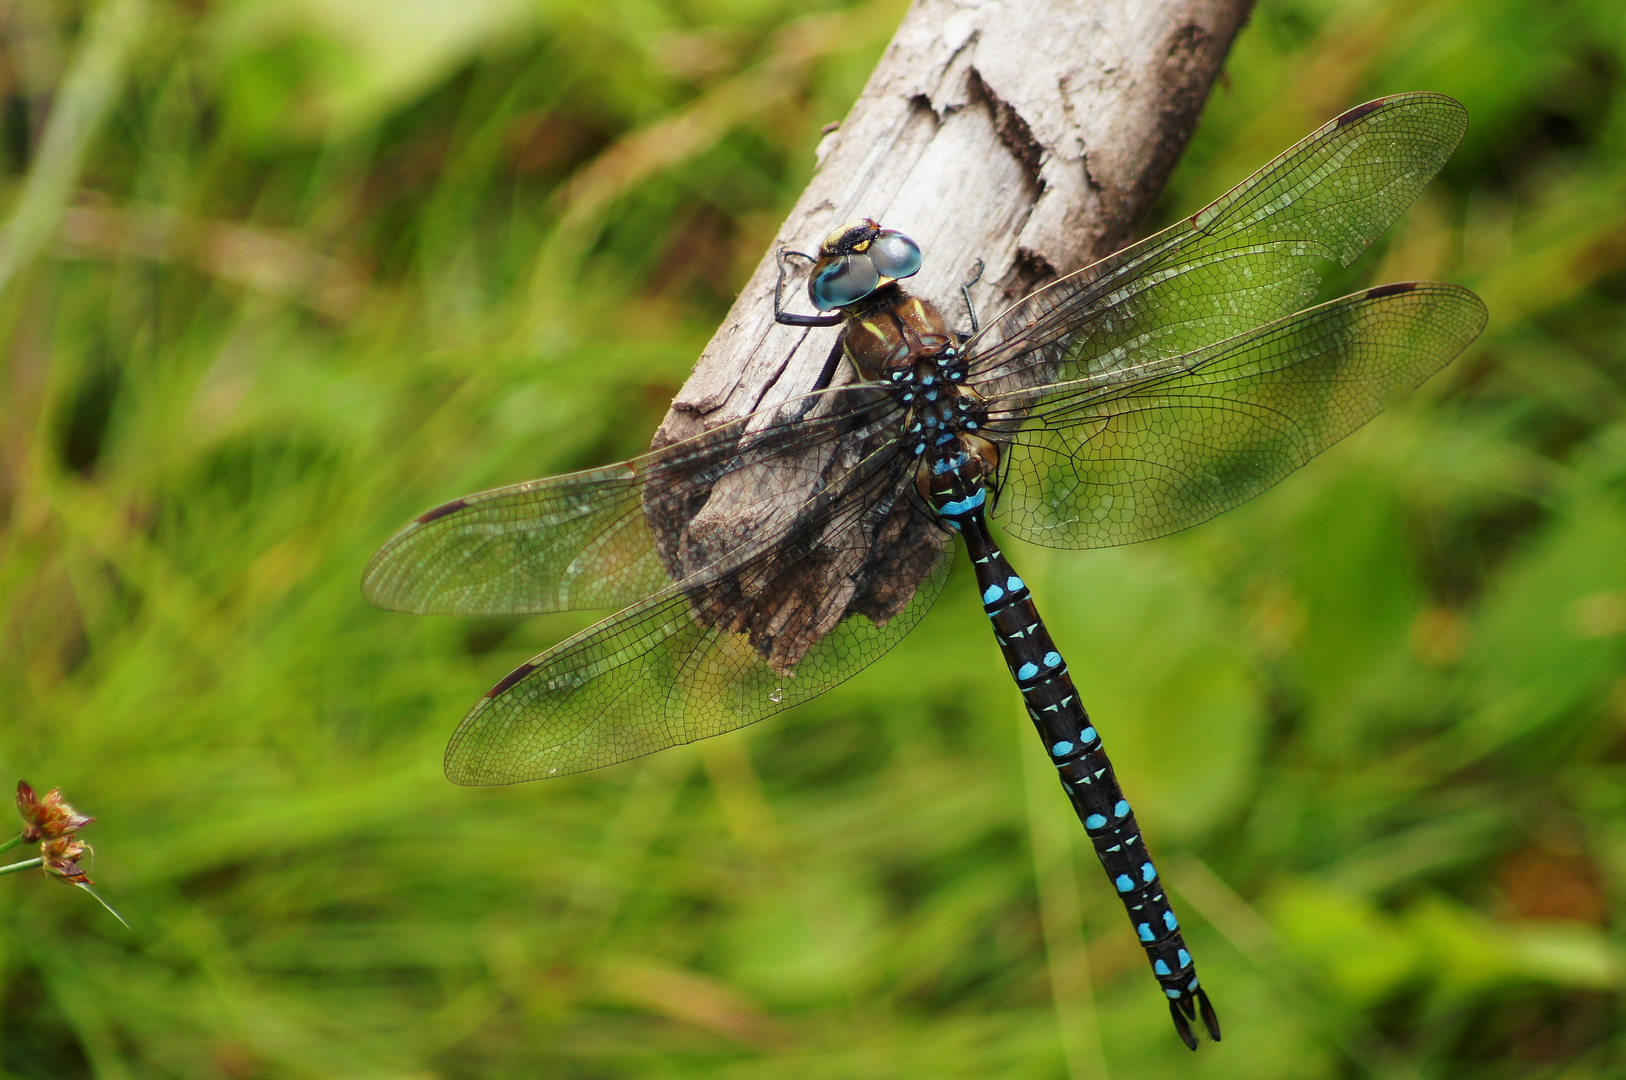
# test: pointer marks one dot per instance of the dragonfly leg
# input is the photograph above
(965, 291)
(786, 318)
(831, 362)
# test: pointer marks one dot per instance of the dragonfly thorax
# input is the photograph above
(892, 332)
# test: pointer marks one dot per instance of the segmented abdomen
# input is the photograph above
(1086, 774)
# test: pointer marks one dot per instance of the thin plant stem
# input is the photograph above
(97, 897)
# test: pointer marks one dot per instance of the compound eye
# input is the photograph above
(842, 281)
(894, 254)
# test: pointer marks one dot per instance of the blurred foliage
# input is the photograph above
(324, 263)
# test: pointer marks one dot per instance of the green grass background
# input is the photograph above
(325, 263)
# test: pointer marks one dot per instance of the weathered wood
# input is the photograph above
(1031, 136)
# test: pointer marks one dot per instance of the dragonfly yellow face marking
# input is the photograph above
(847, 238)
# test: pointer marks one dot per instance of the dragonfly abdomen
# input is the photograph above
(1086, 775)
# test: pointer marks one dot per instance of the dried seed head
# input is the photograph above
(47, 818)
(61, 856)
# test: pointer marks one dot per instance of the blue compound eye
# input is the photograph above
(894, 254)
(842, 281)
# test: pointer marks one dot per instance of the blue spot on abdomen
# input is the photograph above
(965, 505)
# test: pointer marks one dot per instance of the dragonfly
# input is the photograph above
(763, 561)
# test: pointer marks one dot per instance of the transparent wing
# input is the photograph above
(567, 542)
(1138, 453)
(1255, 254)
(718, 650)
(584, 540)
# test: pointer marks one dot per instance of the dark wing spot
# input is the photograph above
(510, 679)
(441, 511)
(1394, 288)
(1359, 111)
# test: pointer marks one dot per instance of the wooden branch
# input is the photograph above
(1032, 136)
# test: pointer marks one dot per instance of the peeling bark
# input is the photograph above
(1031, 136)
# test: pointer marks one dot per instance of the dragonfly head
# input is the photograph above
(857, 259)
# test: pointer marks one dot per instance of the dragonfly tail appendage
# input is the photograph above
(1187, 1009)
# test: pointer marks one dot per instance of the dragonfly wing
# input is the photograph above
(584, 540)
(1129, 457)
(1255, 254)
(711, 653)
(567, 542)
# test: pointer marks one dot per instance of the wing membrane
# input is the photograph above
(1138, 453)
(701, 657)
(1254, 255)
(584, 540)
(567, 542)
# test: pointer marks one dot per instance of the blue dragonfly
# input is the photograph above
(760, 563)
